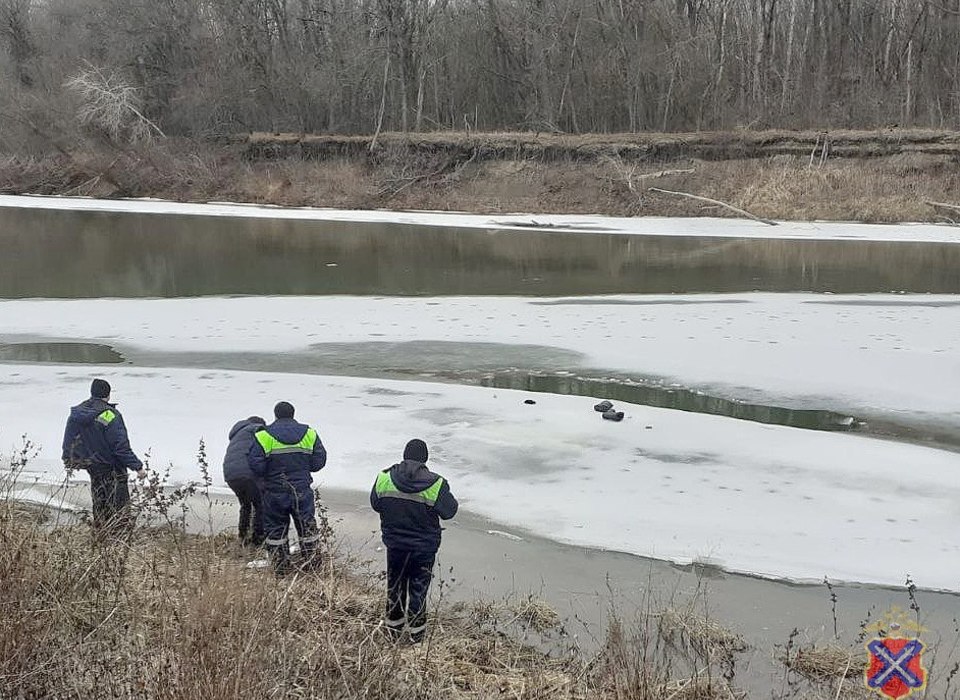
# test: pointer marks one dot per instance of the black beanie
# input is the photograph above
(100, 389)
(416, 451)
(283, 409)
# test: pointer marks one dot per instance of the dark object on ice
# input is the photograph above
(648, 427)
(603, 407)
(615, 416)
(529, 402)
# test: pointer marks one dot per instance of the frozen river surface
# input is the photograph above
(883, 354)
(753, 498)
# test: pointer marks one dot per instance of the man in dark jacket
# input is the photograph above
(411, 500)
(283, 456)
(242, 481)
(95, 439)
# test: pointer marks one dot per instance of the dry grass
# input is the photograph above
(708, 637)
(882, 176)
(833, 671)
(161, 613)
(167, 614)
(823, 661)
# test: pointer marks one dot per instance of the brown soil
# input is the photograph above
(887, 176)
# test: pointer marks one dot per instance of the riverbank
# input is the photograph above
(168, 614)
(884, 176)
(595, 595)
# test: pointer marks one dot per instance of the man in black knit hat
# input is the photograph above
(411, 501)
(284, 456)
(96, 440)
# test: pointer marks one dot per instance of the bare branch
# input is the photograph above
(108, 102)
(942, 205)
(717, 202)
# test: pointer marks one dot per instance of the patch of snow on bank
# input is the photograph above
(660, 226)
(41, 498)
(673, 485)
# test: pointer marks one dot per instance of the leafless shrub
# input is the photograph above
(164, 613)
(111, 104)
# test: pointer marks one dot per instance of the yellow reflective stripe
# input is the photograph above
(385, 488)
(271, 445)
(384, 484)
(106, 418)
(433, 492)
(266, 440)
(309, 440)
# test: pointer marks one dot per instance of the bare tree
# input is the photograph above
(109, 103)
(213, 66)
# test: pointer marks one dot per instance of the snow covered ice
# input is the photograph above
(889, 353)
(755, 498)
(662, 226)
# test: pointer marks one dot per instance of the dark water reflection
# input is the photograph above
(51, 253)
(90, 353)
(533, 368)
(676, 398)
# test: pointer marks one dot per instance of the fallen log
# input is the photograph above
(942, 205)
(665, 173)
(716, 202)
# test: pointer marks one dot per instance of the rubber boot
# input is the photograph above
(279, 554)
(395, 628)
(311, 558)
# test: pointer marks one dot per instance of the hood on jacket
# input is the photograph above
(410, 476)
(242, 424)
(88, 411)
(287, 430)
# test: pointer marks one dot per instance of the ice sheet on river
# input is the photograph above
(673, 485)
(895, 353)
(648, 225)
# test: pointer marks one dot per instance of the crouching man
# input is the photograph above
(283, 456)
(411, 500)
(243, 482)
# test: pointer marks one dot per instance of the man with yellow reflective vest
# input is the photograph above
(284, 455)
(95, 440)
(411, 501)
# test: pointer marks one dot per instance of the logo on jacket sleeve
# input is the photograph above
(895, 657)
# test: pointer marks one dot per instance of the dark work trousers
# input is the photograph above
(408, 583)
(248, 493)
(111, 498)
(281, 503)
